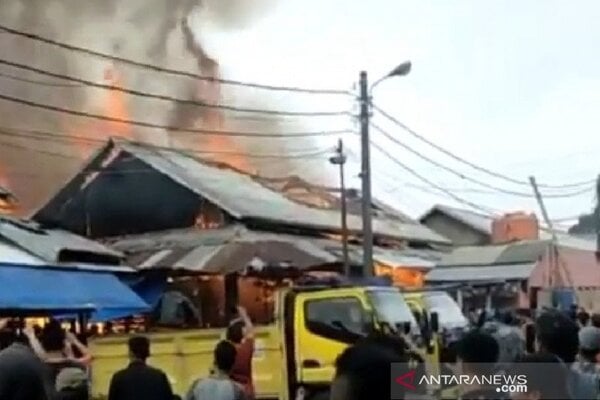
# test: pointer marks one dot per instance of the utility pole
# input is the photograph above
(552, 259)
(340, 159)
(555, 259)
(597, 216)
(365, 174)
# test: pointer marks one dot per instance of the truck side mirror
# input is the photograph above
(435, 322)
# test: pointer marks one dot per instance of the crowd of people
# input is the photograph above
(52, 364)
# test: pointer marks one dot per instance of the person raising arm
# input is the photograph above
(241, 334)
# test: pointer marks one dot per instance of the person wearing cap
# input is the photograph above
(589, 350)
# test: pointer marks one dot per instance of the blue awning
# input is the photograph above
(40, 289)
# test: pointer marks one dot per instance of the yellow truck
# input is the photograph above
(312, 326)
(452, 323)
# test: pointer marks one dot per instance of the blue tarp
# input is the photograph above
(35, 288)
(150, 289)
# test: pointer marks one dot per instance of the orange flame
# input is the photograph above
(116, 106)
(96, 132)
(7, 205)
(215, 145)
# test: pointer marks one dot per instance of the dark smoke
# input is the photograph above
(146, 30)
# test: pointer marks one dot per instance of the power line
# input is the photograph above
(143, 94)
(48, 136)
(36, 82)
(473, 165)
(430, 183)
(165, 127)
(157, 68)
(468, 178)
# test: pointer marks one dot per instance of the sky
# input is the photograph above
(510, 85)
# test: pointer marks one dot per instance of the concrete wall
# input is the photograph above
(458, 233)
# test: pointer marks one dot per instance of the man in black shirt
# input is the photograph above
(139, 380)
(477, 353)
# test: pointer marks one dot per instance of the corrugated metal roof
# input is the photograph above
(473, 255)
(243, 197)
(221, 250)
(510, 253)
(476, 221)
(234, 248)
(5, 192)
(13, 254)
(471, 273)
(392, 257)
(49, 244)
(587, 242)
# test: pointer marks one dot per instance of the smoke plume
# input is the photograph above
(158, 32)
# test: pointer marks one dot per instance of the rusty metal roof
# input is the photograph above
(5, 192)
(235, 248)
(220, 250)
(244, 197)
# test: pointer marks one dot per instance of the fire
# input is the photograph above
(114, 106)
(209, 92)
(213, 119)
(7, 201)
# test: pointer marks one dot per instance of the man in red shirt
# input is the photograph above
(241, 333)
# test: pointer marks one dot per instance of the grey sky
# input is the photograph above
(511, 85)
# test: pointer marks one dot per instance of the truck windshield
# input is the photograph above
(391, 307)
(448, 311)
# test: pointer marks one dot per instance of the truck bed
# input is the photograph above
(186, 355)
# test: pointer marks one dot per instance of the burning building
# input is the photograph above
(45, 146)
(168, 210)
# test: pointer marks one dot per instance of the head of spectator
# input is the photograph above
(547, 381)
(139, 349)
(72, 384)
(589, 344)
(557, 334)
(224, 355)
(358, 369)
(583, 318)
(595, 320)
(53, 337)
(477, 353)
(235, 332)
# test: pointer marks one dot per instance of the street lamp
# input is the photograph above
(401, 70)
(340, 159)
(365, 174)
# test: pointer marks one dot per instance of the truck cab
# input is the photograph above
(452, 323)
(325, 322)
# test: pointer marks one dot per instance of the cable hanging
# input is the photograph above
(468, 178)
(473, 165)
(430, 183)
(122, 60)
(50, 136)
(138, 93)
(166, 127)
